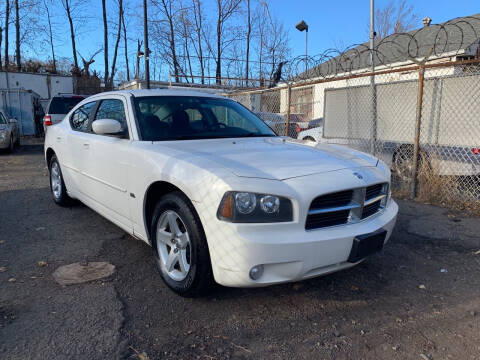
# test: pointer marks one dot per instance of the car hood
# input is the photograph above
(270, 158)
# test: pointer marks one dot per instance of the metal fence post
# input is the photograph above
(416, 144)
(289, 102)
(373, 134)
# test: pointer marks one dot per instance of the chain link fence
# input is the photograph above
(422, 120)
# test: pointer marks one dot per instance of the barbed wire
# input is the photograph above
(460, 36)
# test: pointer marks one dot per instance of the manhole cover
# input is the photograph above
(77, 273)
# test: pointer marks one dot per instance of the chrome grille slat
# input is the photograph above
(346, 207)
(375, 199)
(333, 209)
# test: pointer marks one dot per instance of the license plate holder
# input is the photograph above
(366, 245)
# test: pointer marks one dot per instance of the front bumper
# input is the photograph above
(5, 142)
(288, 252)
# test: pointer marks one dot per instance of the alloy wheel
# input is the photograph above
(173, 245)
(56, 180)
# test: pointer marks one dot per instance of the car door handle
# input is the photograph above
(86, 146)
(59, 138)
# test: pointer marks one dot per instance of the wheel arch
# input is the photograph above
(48, 155)
(153, 193)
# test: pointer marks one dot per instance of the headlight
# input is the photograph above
(3, 134)
(244, 207)
(245, 202)
(270, 204)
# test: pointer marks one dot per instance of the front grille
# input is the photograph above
(373, 191)
(371, 209)
(345, 207)
(336, 199)
(316, 221)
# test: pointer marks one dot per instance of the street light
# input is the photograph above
(302, 26)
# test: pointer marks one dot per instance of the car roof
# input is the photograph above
(160, 92)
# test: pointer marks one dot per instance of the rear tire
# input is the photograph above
(57, 185)
(180, 246)
(11, 145)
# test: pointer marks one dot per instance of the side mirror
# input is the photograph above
(107, 127)
(12, 121)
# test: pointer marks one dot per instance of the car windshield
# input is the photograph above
(62, 105)
(163, 118)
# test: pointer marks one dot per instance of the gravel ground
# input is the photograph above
(418, 299)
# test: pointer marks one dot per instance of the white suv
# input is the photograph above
(215, 192)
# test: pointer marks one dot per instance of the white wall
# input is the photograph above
(319, 89)
(44, 85)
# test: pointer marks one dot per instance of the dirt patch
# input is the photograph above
(78, 273)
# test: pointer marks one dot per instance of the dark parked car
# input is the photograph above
(59, 106)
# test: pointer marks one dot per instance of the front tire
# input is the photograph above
(11, 145)
(180, 246)
(57, 185)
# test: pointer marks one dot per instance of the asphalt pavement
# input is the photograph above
(418, 299)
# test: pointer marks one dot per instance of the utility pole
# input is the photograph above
(145, 40)
(372, 78)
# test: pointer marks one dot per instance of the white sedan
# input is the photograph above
(215, 192)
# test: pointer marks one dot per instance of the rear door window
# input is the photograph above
(62, 105)
(80, 119)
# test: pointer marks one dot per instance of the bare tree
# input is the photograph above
(272, 41)
(249, 35)
(398, 16)
(117, 41)
(86, 63)
(198, 29)
(225, 9)
(7, 22)
(185, 34)
(67, 5)
(1, 30)
(50, 35)
(166, 7)
(139, 52)
(125, 43)
(276, 44)
(105, 40)
(260, 19)
(17, 36)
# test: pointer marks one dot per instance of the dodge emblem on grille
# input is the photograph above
(358, 175)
